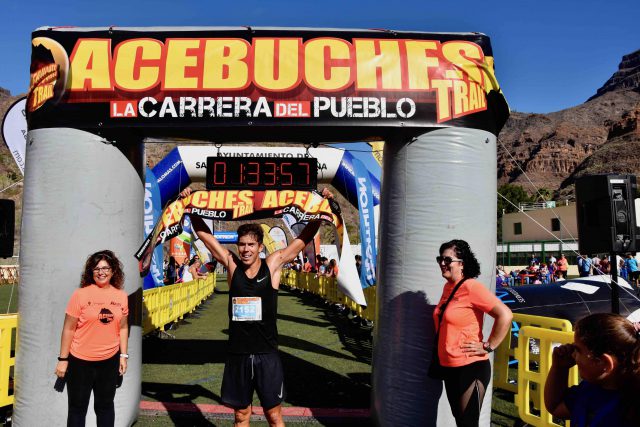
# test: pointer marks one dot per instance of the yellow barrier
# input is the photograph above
(8, 331)
(165, 305)
(533, 381)
(327, 288)
(507, 351)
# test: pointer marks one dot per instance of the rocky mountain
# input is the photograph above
(601, 135)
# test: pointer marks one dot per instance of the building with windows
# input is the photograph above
(541, 224)
(543, 229)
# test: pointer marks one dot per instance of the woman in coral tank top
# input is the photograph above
(462, 351)
(93, 348)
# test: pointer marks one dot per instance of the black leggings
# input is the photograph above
(84, 376)
(466, 386)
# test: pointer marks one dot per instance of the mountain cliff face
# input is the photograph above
(601, 135)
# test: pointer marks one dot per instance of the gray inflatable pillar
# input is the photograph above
(81, 195)
(439, 187)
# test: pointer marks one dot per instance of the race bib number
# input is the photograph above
(244, 309)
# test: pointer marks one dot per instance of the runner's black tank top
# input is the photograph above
(251, 337)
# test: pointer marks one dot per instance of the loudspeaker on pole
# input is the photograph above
(7, 227)
(605, 206)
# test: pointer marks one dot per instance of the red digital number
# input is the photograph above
(270, 175)
(219, 173)
(252, 173)
(306, 176)
(284, 174)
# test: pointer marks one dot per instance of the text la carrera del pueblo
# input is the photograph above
(234, 204)
(455, 74)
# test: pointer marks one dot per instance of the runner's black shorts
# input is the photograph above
(244, 373)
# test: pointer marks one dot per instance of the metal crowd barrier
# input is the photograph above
(168, 304)
(327, 288)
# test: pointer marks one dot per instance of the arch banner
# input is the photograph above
(344, 83)
(233, 205)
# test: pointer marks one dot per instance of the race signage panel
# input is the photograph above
(231, 205)
(254, 78)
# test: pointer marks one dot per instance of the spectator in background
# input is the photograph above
(563, 267)
(533, 260)
(552, 259)
(632, 269)
(194, 269)
(171, 273)
(333, 268)
(543, 274)
(595, 264)
(553, 269)
(584, 265)
(605, 265)
(306, 267)
(318, 264)
(324, 264)
(622, 267)
(359, 264)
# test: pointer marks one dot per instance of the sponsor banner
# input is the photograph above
(226, 237)
(244, 80)
(172, 176)
(367, 226)
(179, 250)
(279, 237)
(345, 181)
(151, 215)
(232, 205)
(14, 131)
(376, 151)
(267, 240)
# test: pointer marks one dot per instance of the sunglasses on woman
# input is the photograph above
(447, 260)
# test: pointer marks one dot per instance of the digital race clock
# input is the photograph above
(261, 173)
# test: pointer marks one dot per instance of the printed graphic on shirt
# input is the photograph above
(105, 316)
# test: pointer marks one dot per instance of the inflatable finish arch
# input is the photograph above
(97, 93)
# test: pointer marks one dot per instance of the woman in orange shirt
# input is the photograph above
(463, 354)
(93, 347)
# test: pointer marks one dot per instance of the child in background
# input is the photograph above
(606, 349)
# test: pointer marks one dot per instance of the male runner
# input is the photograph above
(253, 361)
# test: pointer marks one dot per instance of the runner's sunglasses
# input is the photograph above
(447, 260)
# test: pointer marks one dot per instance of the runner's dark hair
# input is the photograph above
(251, 229)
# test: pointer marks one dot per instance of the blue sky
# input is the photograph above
(550, 55)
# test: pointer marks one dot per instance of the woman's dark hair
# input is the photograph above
(470, 266)
(616, 336)
(117, 280)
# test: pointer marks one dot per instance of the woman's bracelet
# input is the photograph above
(124, 355)
(63, 359)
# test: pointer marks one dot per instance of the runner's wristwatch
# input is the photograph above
(487, 347)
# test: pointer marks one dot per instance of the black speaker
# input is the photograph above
(7, 227)
(606, 213)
